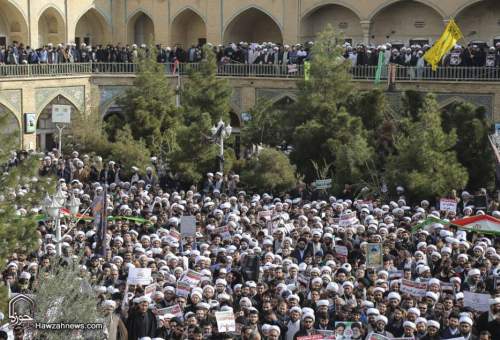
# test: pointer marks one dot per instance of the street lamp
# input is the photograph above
(220, 132)
(74, 205)
(52, 208)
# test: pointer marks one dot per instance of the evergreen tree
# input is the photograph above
(204, 101)
(88, 135)
(266, 126)
(424, 161)
(269, 171)
(74, 301)
(379, 121)
(149, 105)
(473, 147)
(203, 91)
(324, 130)
(21, 196)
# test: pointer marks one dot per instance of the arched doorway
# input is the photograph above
(342, 19)
(13, 25)
(235, 122)
(113, 117)
(92, 29)
(403, 21)
(9, 125)
(480, 21)
(51, 27)
(47, 134)
(188, 28)
(141, 29)
(252, 25)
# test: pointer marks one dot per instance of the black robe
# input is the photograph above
(140, 325)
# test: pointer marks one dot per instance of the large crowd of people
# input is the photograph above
(473, 55)
(256, 266)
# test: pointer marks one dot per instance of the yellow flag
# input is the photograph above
(445, 43)
(307, 70)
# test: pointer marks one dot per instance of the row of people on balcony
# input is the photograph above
(245, 53)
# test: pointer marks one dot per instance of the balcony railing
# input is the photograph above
(489, 74)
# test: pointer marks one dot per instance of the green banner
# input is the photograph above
(380, 65)
(431, 219)
(307, 70)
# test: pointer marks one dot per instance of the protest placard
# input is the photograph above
(347, 219)
(191, 277)
(341, 250)
(343, 330)
(374, 256)
(447, 287)
(448, 204)
(476, 301)
(225, 321)
(139, 276)
(188, 225)
(311, 337)
(264, 214)
(327, 334)
(413, 288)
(174, 310)
(149, 290)
(396, 274)
(182, 289)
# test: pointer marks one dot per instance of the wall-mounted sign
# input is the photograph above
(29, 123)
(61, 114)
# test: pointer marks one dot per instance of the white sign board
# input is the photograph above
(446, 204)
(61, 114)
(413, 288)
(479, 302)
(347, 219)
(322, 184)
(139, 276)
(225, 321)
(188, 225)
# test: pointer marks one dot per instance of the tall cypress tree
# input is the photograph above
(204, 101)
(425, 161)
(324, 131)
(149, 105)
(21, 196)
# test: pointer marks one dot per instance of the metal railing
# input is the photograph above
(43, 70)
(450, 73)
(365, 72)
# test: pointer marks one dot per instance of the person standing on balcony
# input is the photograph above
(361, 56)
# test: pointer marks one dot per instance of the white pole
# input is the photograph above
(178, 95)
(58, 235)
(60, 128)
(221, 152)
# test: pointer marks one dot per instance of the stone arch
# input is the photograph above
(479, 20)
(253, 24)
(12, 124)
(234, 119)
(93, 28)
(453, 100)
(404, 20)
(286, 98)
(341, 16)
(46, 131)
(188, 28)
(140, 28)
(13, 23)
(51, 26)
